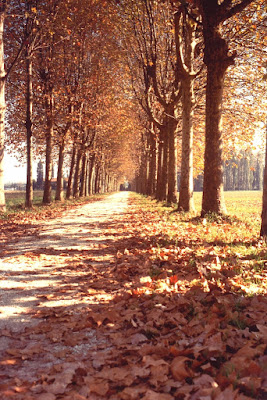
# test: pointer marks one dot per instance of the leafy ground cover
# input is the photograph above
(171, 306)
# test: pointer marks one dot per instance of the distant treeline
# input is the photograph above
(242, 172)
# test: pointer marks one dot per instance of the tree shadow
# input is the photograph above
(121, 311)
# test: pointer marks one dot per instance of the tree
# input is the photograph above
(217, 59)
(40, 175)
(186, 27)
(3, 6)
(152, 45)
(31, 33)
(263, 231)
(4, 73)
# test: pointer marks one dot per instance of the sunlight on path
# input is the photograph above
(31, 267)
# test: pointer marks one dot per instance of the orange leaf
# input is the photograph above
(179, 369)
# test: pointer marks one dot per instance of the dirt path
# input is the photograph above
(59, 268)
(30, 262)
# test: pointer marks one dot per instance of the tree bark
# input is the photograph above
(70, 178)
(217, 59)
(83, 175)
(86, 188)
(172, 158)
(77, 175)
(152, 164)
(164, 177)
(186, 202)
(60, 182)
(29, 108)
(159, 166)
(96, 183)
(263, 231)
(90, 174)
(213, 197)
(2, 109)
(47, 196)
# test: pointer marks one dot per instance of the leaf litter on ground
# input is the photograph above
(170, 315)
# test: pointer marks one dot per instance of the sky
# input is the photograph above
(14, 171)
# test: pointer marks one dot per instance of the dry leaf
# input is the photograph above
(179, 369)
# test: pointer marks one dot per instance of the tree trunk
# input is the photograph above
(60, 183)
(172, 158)
(90, 174)
(2, 110)
(86, 189)
(97, 173)
(159, 166)
(263, 231)
(152, 164)
(186, 202)
(47, 196)
(83, 175)
(70, 178)
(29, 107)
(213, 197)
(164, 177)
(217, 58)
(77, 175)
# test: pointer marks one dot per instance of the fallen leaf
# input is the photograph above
(179, 369)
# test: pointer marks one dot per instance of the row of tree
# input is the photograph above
(64, 97)
(179, 54)
(109, 88)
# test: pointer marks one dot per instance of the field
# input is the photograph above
(15, 203)
(15, 199)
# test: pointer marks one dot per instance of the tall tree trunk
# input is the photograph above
(72, 165)
(186, 202)
(47, 195)
(2, 108)
(159, 166)
(83, 175)
(29, 107)
(96, 185)
(60, 184)
(263, 231)
(217, 58)
(152, 164)
(86, 188)
(143, 173)
(172, 158)
(49, 105)
(164, 177)
(213, 197)
(77, 175)
(90, 173)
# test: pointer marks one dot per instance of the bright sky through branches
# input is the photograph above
(14, 171)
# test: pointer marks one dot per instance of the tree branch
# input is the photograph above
(226, 14)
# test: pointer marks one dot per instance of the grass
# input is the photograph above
(15, 204)
(15, 199)
(232, 240)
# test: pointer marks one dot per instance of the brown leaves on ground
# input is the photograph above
(161, 321)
